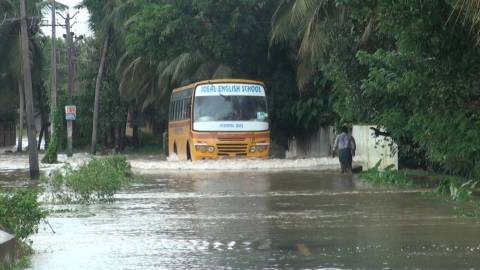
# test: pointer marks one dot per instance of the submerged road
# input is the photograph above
(259, 220)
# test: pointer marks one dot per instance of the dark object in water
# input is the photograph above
(357, 169)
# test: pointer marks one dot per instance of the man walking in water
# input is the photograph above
(345, 144)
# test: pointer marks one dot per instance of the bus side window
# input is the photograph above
(189, 107)
(179, 109)
(176, 110)
(184, 108)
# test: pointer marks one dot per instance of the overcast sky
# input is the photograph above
(81, 25)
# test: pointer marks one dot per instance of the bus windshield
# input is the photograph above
(226, 111)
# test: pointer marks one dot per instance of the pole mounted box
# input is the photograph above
(70, 112)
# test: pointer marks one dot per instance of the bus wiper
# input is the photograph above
(222, 95)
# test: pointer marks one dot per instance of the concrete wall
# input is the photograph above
(314, 145)
(7, 247)
(370, 149)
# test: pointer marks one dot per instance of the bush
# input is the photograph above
(456, 189)
(20, 212)
(386, 177)
(98, 180)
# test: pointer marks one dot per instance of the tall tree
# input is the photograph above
(13, 50)
(104, 20)
(32, 142)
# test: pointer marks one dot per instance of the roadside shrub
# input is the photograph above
(20, 212)
(21, 263)
(455, 189)
(386, 177)
(98, 180)
(51, 155)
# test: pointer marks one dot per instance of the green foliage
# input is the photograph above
(98, 180)
(314, 108)
(56, 140)
(20, 211)
(20, 264)
(388, 176)
(10, 53)
(427, 85)
(402, 65)
(455, 189)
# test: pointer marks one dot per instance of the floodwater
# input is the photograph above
(259, 220)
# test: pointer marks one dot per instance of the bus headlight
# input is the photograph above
(201, 147)
(261, 148)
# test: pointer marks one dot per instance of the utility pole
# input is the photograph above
(70, 84)
(53, 103)
(70, 110)
(27, 76)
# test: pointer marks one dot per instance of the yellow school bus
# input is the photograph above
(219, 119)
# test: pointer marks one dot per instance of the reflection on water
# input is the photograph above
(273, 220)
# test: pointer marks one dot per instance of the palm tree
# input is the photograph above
(470, 8)
(145, 82)
(306, 23)
(105, 19)
(310, 27)
(11, 68)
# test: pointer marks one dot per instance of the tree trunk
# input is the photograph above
(27, 76)
(44, 119)
(21, 111)
(135, 129)
(40, 137)
(93, 148)
(123, 135)
(117, 139)
(53, 102)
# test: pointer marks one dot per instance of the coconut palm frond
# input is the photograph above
(314, 40)
(302, 10)
(167, 73)
(282, 29)
(159, 70)
(470, 12)
(305, 73)
(187, 63)
(205, 71)
(149, 100)
(222, 72)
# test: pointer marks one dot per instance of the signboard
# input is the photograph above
(230, 126)
(70, 112)
(230, 89)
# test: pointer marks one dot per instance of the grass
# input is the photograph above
(388, 176)
(454, 188)
(18, 264)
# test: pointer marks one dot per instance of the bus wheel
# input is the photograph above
(175, 149)
(189, 155)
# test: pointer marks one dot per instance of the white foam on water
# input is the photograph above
(173, 157)
(154, 166)
(13, 162)
(150, 165)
